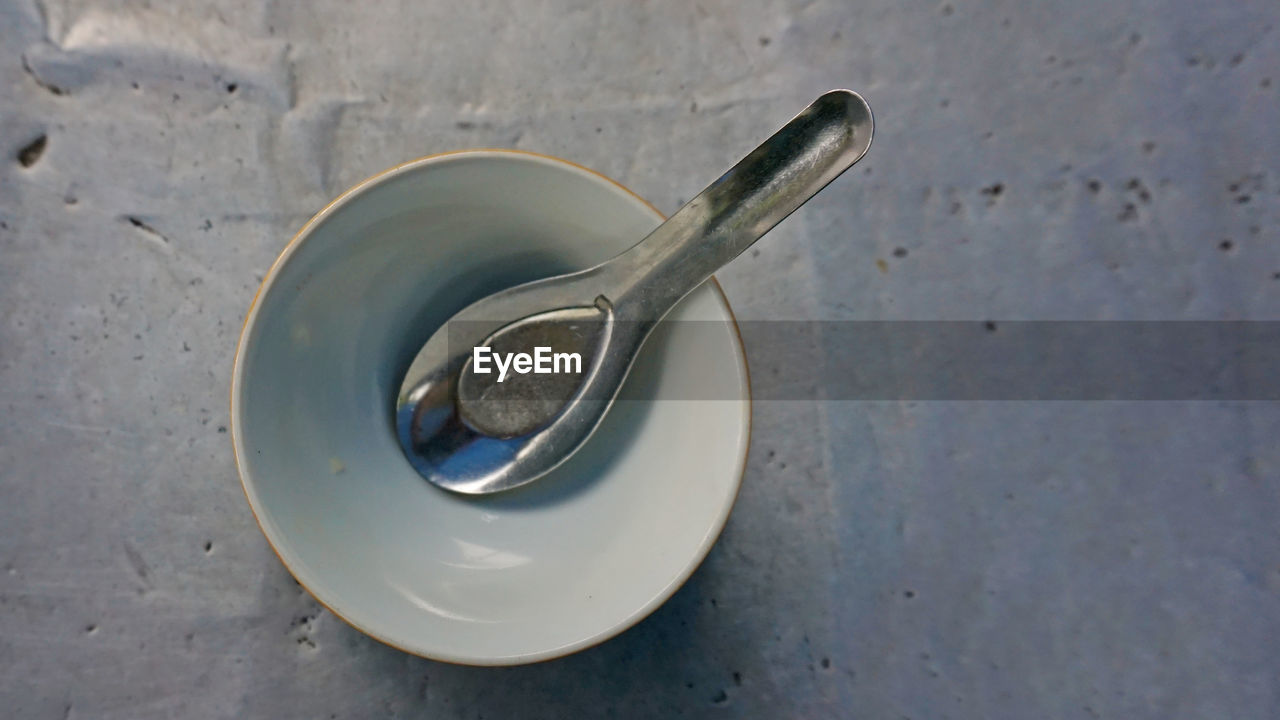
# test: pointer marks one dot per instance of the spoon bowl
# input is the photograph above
(521, 576)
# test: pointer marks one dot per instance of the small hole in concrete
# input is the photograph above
(30, 154)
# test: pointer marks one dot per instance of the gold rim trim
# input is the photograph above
(649, 607)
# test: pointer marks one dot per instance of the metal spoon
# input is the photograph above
(468, 432)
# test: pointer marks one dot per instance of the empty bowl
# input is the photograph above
(525, 575)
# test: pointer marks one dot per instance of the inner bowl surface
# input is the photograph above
(525, 575)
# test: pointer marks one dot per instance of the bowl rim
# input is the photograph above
(294, 568)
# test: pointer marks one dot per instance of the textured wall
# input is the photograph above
(1048, 160)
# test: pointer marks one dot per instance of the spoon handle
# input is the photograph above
(746, 202)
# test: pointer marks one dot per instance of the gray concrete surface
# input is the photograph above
(885, 560)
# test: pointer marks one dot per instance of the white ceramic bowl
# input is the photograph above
(521, 576)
